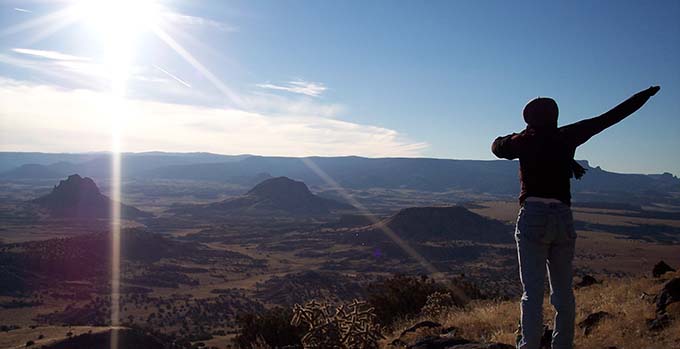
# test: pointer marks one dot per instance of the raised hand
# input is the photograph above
(651, 91)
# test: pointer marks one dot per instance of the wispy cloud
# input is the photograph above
(312, 89)
(81, 72)
(182, 19)
(49, 54)
(19, 9)
(76, 120)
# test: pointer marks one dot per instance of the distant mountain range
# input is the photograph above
(271, 196)
(497, 177)
(78, 197)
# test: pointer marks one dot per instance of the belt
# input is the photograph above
(542, 200)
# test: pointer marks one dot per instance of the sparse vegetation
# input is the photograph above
(496, 321)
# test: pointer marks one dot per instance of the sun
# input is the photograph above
(118, 19)
(118, 25)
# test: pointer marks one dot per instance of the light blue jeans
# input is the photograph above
(546, 238)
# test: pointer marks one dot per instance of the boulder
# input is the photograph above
(659, 323)
(436, 342)
(482, 346)
(661, 268)
(586, 280)
(592, 320)
(422, 324)
(669, 294)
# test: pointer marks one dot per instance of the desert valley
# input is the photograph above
(208, 240)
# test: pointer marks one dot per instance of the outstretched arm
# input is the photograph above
(510, 146)
(582, 131)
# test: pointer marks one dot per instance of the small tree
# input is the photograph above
(400, 296)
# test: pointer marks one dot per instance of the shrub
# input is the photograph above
(400, 296)
(437, 303)
(273, 327)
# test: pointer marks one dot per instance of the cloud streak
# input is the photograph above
(49, 54)
(76, 120)
(182, 19)
(312, 89)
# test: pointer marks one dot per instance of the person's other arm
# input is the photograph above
(507, 147)
(582, 131)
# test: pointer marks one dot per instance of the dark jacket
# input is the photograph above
(546, 155)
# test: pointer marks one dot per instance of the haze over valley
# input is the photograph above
(207, 238)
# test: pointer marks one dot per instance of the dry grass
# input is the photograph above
(491, 321)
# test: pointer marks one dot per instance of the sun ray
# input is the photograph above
(64, 13)
(410, 251)
(49, 30)
(187, 56)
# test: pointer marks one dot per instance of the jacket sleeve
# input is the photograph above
(580, 132)
(506, 147)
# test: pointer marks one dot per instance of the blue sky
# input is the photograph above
(373, 78)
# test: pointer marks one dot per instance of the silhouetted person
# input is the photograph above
(545, 231)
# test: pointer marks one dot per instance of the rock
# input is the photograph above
(661, 268)
(592, 320)
(436, 342)
(669, 294)
(397, 343)
(422, 324)
(587, 280)
(482, 346)
(449, 331)
(456, 343)
(659, 323)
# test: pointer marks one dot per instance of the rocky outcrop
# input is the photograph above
(280, 194)
(445, 223)
(79, 197)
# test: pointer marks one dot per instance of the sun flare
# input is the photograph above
(118, 24)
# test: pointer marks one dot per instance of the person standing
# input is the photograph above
(545, 233)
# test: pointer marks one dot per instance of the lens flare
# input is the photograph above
(118, 24)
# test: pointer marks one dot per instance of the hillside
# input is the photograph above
(36, 264)
(78, 197)
(78, 337)
(630, 303)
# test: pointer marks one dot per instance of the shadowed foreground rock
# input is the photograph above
(456, 343)
(586, 281)
(669, 294)
(661, 268)
(593, 320)
(446, 340)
